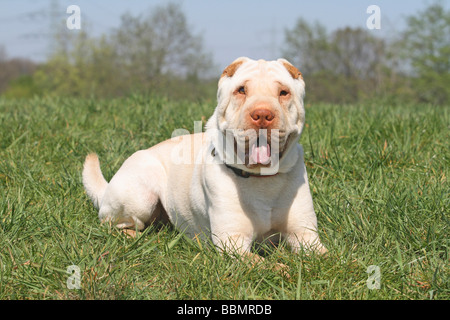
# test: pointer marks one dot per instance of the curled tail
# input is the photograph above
(93, 180)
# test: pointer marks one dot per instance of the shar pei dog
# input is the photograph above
(243, 179)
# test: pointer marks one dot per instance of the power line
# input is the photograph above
(272, 45)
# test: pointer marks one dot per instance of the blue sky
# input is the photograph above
(230, 28)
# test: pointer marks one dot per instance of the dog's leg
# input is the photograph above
(132, 212)
(300, 230)
(130, 203)
(158, 215)
(131, 200)
(305, 239)
(240, 246)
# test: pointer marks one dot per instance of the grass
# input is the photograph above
(378, 173)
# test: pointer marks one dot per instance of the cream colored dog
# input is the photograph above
(241, 180)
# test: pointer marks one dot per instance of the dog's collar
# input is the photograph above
(242, 173)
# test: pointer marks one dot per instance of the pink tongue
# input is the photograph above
(260, 154)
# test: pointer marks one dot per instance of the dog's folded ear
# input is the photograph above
(293, 71)
(232, 68)
(299, 91)
(224, 83)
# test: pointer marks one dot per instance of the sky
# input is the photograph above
(229, 28)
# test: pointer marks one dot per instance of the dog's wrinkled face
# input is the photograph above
(260, 103)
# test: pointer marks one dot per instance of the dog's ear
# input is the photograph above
(293, 71)
(299, 90)
(232, 68)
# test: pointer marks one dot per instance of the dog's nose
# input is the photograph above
(262, 117)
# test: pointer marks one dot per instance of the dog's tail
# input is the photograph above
(93, 180)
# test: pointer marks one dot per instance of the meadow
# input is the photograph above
(378, 173)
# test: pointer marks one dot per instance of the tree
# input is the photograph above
(155, 52)
(358, 58)
(307, 46)
(3, 55)
(343, 66)
(426, 46)
(159, 45)
(15, 73)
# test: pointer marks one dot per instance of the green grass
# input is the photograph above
(378, 173)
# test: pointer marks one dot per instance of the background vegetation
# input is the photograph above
(376, 148)
(158, 53)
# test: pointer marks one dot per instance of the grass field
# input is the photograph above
(378, 173)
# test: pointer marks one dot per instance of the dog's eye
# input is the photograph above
(283, 93)
(241, 90)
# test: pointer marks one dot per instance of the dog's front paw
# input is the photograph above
(321, 250)
(283, 269)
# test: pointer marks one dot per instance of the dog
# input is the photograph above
(241, 180)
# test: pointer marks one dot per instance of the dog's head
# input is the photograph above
(260, 107)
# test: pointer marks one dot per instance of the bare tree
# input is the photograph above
(339, 67)
(307, 46)
(158, 44)
(152, 52)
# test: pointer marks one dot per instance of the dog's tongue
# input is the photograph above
(260, 154)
